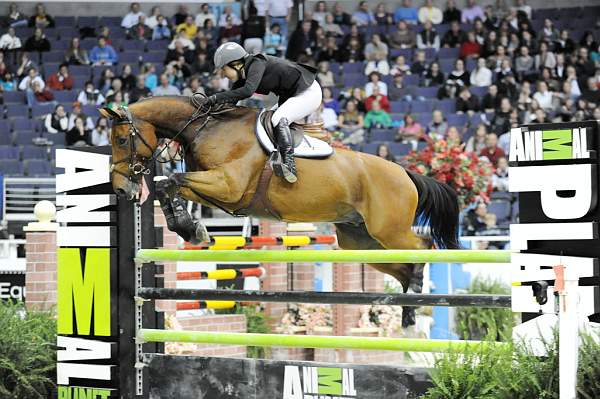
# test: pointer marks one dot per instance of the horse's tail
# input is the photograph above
(437, 208)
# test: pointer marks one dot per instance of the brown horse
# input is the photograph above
(372, 202)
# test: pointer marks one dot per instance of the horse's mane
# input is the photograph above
(220, 111)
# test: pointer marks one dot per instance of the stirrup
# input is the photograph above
(283, 170)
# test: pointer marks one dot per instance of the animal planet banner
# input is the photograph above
(86, 266)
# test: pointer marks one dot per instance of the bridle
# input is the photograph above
(137, 166)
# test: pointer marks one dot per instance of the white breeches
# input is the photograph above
(300, 106)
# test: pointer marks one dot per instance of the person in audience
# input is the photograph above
(500, 176)
(451, 13)
(202, 65)
(543, 96)
(183, 41)
(77, 112)
(470, 48)
(274, 41)
(402, 37)
(407, 13)
(438, 127)
(329, 101)
(32, 76)
(466, 102)
(105, 80)
(188, 27)
(205, 14)
(459, 73)
(500, 123)
(301, 41)
(491, 151)
(41, 19)
(133, 16)
(472, 12)
(127, 77)
(57, 121)
(61, 80)
(351, 122)
(363, 16)
(382, 16)
(410, 132)
(235, 20)
(475, 220)
(320, 12)
(377, 118)
(419, 65)
(428, 38)
(545, 58)
(376, 96)
(253, 30)
(279, 12)
(454, 37)
(39, 94)
(375, 80)
(591, 94)
(38, 42)
(376, 53)
(152, 20)
(165, 88)
(90, 95)
(453, 138)
(193, 86)
(105, 33)
(524, 64)
(476, 143)
(491, 100)
(161, 30)
(564, 44)
(8, 81)
(140, 31)
(117, 100)
(75, 54)
(324, 75)
(10, 42)
(481, 76)
(101, 132)
(341, 17)
(330, 53)
(383, 151)
(180, 15)
(434, 76)
(78, 135)
(397, 91)
(178, 51)
(15, 17)
(103, 54)
(400, 67)
(430, 13)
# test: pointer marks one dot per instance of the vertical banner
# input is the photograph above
(87, 322)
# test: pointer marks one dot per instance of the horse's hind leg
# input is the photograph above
(178, 218)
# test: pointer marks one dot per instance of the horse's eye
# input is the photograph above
(122, 140)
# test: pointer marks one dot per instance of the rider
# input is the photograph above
(295, 84)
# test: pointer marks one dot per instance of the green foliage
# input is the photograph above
(27, 352)
(495, 372)
(588, 378)
(485, 323)
(391, 288)
(256, 322)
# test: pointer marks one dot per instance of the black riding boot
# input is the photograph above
(287, 167)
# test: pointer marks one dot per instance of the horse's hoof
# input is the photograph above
(201, 234)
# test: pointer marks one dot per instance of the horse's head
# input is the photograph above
(133, 142)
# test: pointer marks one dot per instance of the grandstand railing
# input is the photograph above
(22, 193)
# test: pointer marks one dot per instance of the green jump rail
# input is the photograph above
(339, 256)
(309, 341)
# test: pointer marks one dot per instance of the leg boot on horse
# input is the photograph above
(178, 218)
(287, 167)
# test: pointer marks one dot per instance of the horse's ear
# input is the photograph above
(109, 113)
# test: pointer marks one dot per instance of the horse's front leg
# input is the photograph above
(175, 210)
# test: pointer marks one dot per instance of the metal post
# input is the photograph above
(139, 353)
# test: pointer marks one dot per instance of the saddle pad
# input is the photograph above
(310, 147)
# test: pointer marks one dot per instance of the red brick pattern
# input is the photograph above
(216, 323)
(40, 278)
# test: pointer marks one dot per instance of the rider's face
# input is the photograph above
(230, 73)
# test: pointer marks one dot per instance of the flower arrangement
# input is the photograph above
(306, 315)
(387, 318)
(464, 171)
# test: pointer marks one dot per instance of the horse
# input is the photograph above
(373, 203)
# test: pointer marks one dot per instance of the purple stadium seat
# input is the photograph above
(479, 91)
(117, 33)
(456, 119)
(79, 81)
(154, 56)
(133, 45)
(11, 167)
(411, 80)
(9, 152)
(335, 68)
(91, 111)
(446, 65)
(130, 57)
(17, 111)
(353, 67)
(64, 20)
(24, 137)
(6, 138)
(502, 210)
(110, 21)
(476, 119)
(470, 64)
(23, 124)
(5, 126)
(80, 70)
(370, 148)
(382, 135)
(56, 139)
(157, 45)
(89, 43)
(35, 152)
(448, 52)
(85, 21)
(39, 110)
(400, 149)
(38, 168)
(401, 107)
(406, 52)
(53, 56)
(427, 92)
(447, 106)
(65, 96)
(422, 106)
(354, 79)
(50, 69)
(14, 97)
(23, 32)
(63, 44)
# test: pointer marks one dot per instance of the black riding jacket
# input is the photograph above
(265, 74)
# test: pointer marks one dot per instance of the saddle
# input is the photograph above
(310, 140)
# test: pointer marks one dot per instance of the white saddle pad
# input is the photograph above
(309, 148)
